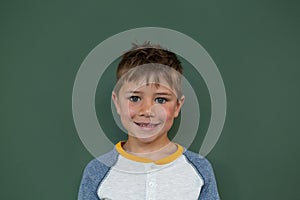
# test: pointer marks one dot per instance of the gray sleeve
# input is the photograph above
(209, 190)
(93, 175)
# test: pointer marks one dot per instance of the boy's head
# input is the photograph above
(148, 93)
(154, 64)
(145, 54)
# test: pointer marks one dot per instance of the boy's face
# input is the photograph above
(147, 111)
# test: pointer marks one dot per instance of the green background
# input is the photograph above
(255, 45)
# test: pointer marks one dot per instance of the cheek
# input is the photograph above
(170, 112)
(131, 112)
(164, 112)
(125, 110)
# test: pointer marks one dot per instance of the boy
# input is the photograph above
(148, 165)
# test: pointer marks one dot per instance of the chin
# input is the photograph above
(149, 139)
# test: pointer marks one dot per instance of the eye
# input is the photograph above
(134, 98)
(160, 100)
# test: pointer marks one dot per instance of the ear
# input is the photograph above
(116, 101)
(178, 106)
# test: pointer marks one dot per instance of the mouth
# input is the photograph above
(146, 125)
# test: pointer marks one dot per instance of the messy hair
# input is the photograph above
(150, 63)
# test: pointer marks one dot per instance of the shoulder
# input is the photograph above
(200, 163)
(205, 170)
(94, 173)
(102, 163)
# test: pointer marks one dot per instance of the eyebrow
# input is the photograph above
(134, 92)
(164, 93)
(158, 93)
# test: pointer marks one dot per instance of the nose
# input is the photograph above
(146, 108)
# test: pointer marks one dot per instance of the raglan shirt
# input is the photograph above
(118, 175)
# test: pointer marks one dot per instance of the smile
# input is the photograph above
(147, 125)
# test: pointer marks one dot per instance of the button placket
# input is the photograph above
(151, 186)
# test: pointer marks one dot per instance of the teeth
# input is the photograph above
(146, 125)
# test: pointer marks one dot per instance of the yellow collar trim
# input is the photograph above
(162, 161)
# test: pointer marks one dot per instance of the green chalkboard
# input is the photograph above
(255, 45)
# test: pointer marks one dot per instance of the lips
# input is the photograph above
(146, 125)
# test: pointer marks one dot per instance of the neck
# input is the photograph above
(153, 150)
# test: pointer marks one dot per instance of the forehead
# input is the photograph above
(144, 87)
(151, 74)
